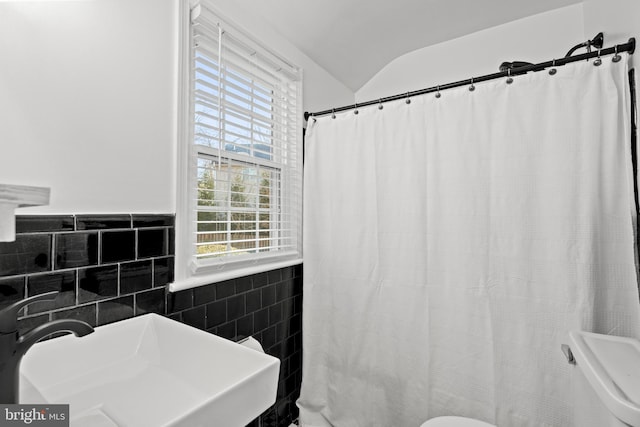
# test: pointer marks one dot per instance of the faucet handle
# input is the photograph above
(9, 314)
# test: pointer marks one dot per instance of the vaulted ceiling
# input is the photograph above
(354, 39)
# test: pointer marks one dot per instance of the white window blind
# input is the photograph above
(246, 166)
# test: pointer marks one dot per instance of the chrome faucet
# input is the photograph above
(13, 345)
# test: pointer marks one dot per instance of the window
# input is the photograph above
(243, 209)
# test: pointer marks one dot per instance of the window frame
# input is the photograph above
(189, 272)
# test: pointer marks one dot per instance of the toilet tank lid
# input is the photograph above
(612, 366)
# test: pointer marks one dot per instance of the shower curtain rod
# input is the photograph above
(625, 47)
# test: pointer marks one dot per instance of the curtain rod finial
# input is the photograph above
(632, 42)
(306, 116)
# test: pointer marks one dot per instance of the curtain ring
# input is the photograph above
(509, 79)
(598, 60)
(616, 57)
(472, 87)
(380, 107)
(553, 71)
(355, 111)
(438, 94)
(408, 101)
(333, 113)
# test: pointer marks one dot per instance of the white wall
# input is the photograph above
(320, 87)
(88, 99)
(88, 88)
(534, 39)
(619, 20)
(87, 103)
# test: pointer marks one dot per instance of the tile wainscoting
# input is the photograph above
(111, 267)
(105, 267)
(267, 306)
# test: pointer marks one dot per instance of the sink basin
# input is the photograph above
(150, 371)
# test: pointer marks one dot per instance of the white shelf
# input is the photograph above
(23, 195)
(17, 196)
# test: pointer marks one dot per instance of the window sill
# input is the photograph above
(206, 279)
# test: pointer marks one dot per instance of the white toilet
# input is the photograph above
(455, 422)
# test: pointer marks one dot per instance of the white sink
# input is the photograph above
(150, 371)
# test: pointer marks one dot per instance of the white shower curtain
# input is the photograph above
(450, 245)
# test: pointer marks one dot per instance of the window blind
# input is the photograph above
(247, 169)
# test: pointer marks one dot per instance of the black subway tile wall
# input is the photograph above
(118, 246)
(29, 253)
(115, 266)
(136, 276)
(152, 242)
(266, 306)
(150, 302)
(92, 261)
(64, 282)
(76, 250)
(11, 290)
(48, 223)
(115, 309)
(97, 283)
(162, 271)
(102, 222)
